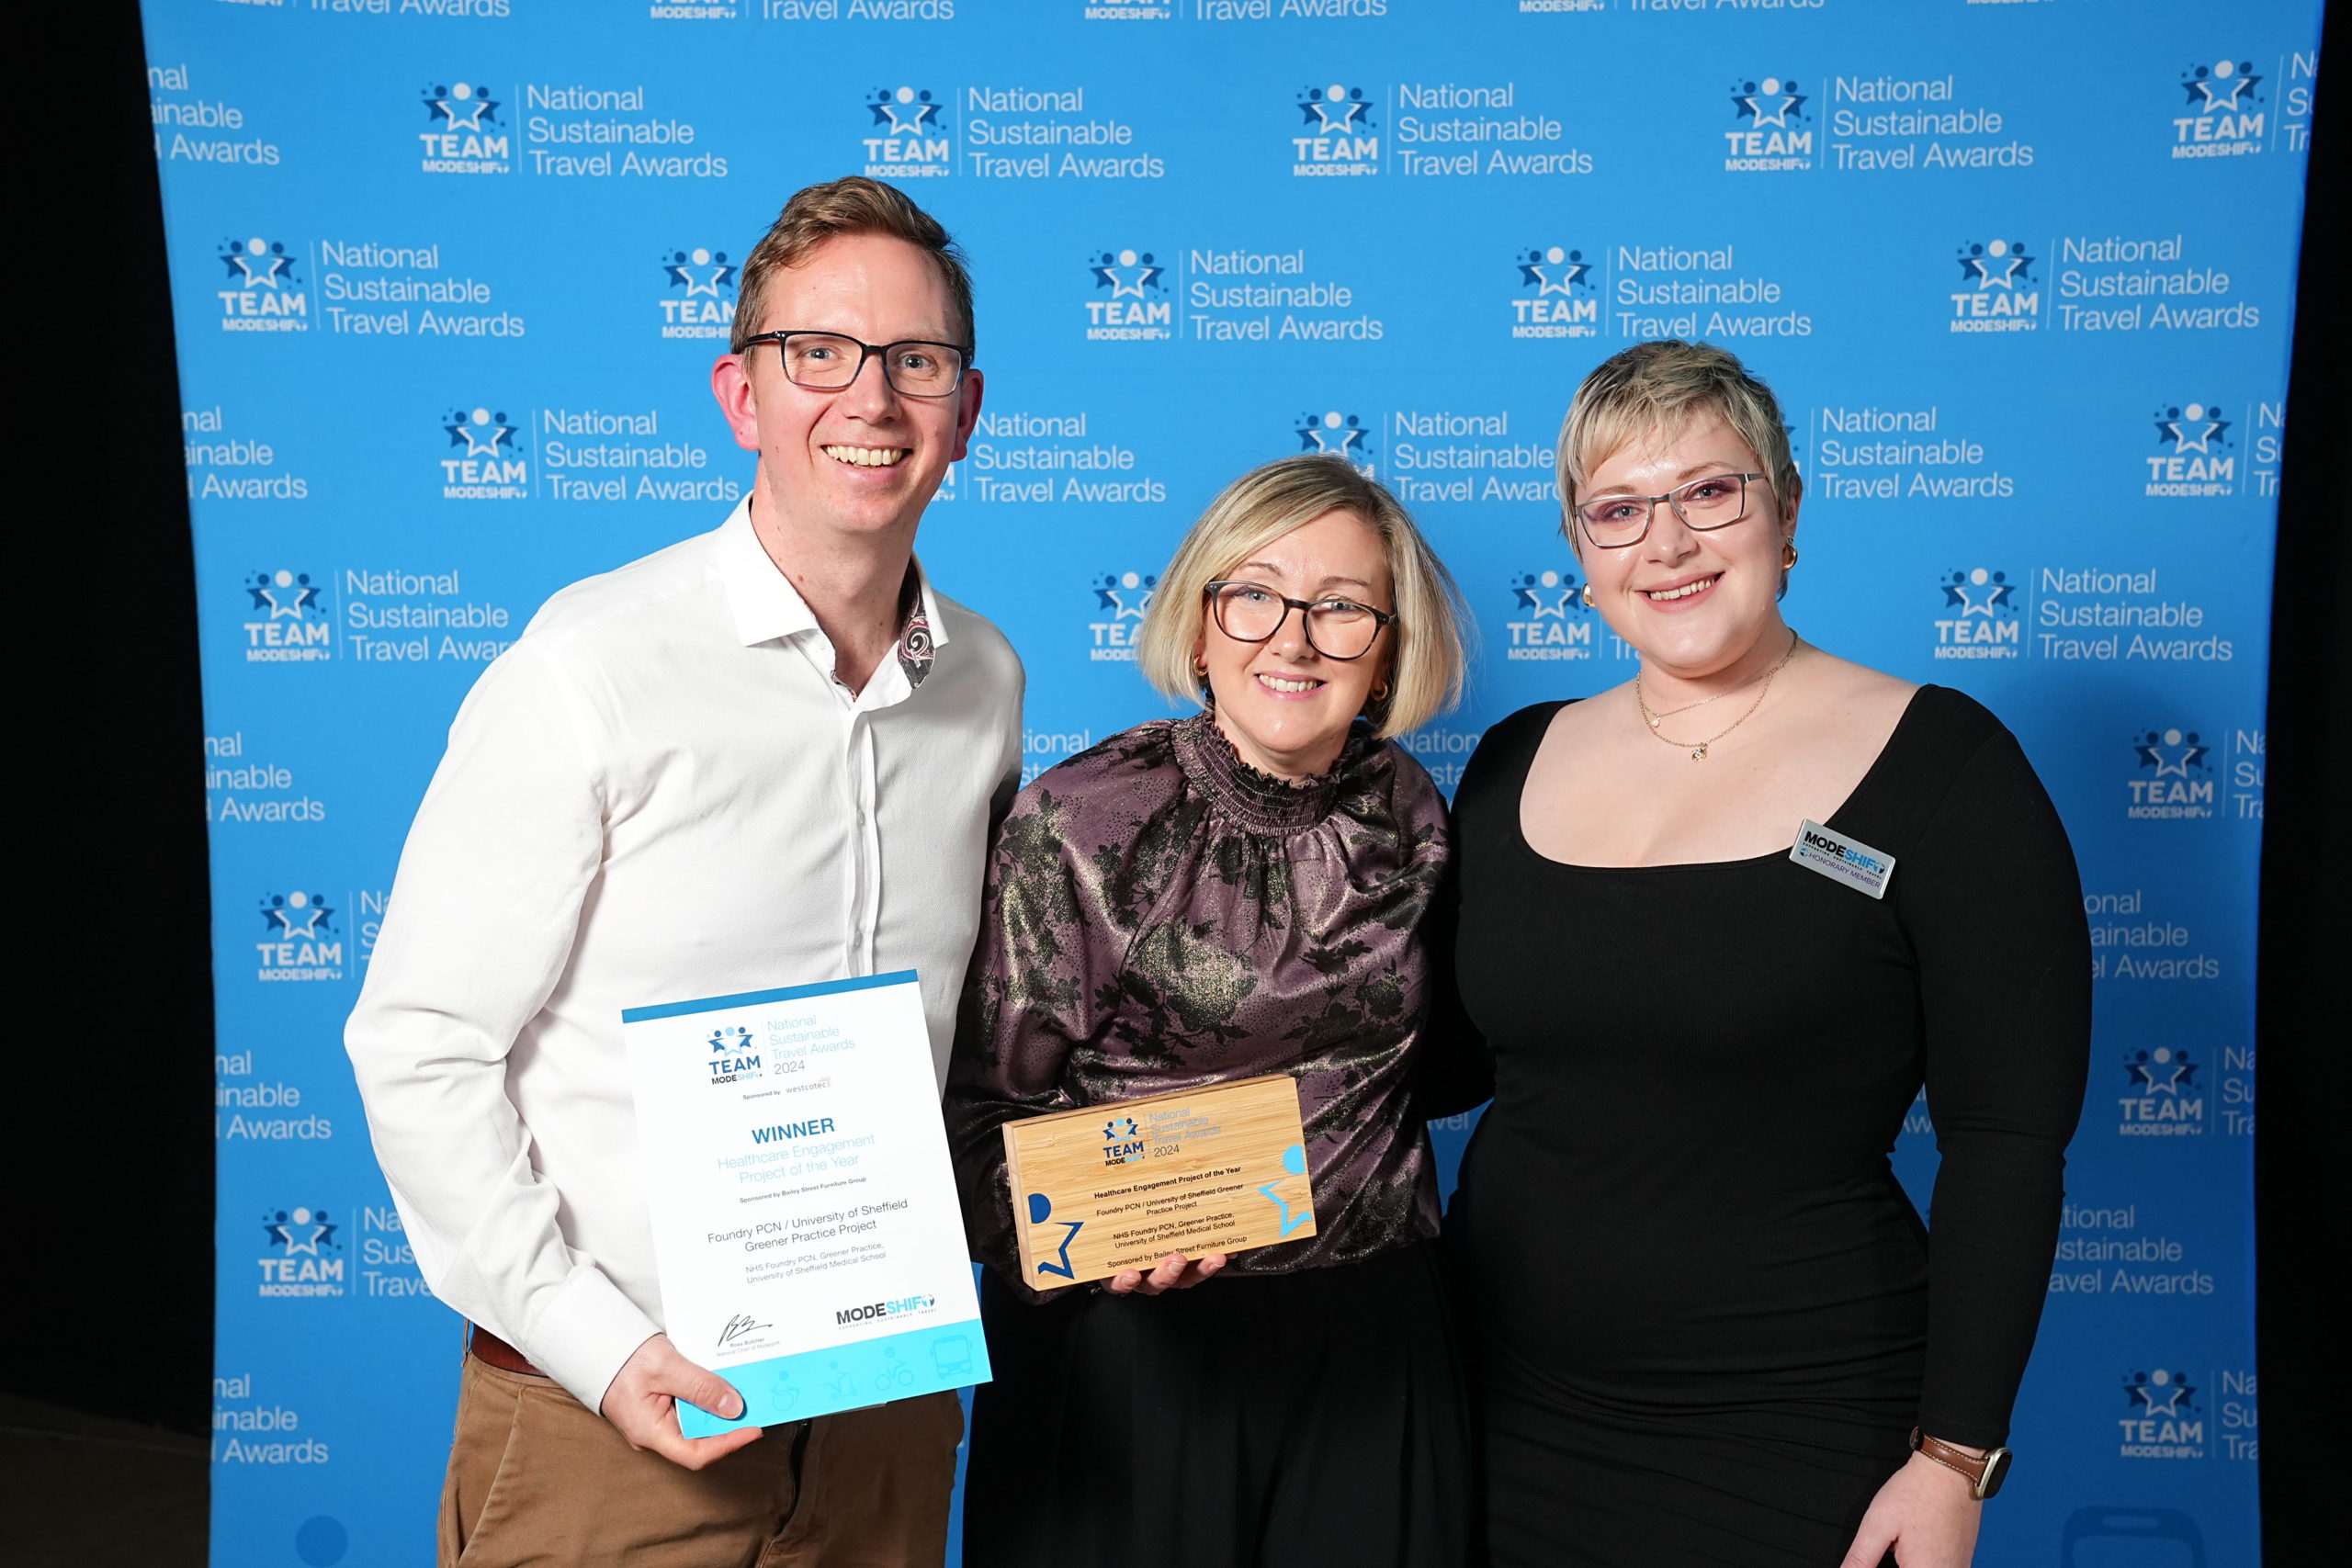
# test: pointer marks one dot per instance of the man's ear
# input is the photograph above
(730, 383)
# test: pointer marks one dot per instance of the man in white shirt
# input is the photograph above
(765, 756)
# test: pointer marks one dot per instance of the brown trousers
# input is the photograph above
(536, 1477)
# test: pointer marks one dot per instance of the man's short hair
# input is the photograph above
(1426, 666)
(1656, 389)
(850, 205)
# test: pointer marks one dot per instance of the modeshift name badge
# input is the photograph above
(1842, 858)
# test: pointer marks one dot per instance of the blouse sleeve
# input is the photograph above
(1993, 907)
(1030, 995)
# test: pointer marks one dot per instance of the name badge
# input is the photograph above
(1843, 859)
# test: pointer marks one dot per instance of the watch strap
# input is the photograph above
(1977, 1470)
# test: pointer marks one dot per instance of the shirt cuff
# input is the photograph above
(584, 1333)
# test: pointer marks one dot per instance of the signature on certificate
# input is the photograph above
(737, 1327)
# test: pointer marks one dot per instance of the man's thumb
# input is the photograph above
(708, 1391)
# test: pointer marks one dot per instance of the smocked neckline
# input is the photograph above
(1262, 801)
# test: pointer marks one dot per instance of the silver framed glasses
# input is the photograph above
(1717, 501)
(1336, 628)
(830, 362)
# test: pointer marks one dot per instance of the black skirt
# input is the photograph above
(1278, 1420)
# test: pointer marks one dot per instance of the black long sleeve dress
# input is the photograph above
(1707, 1316)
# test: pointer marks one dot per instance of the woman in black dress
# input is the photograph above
(1712, 1329)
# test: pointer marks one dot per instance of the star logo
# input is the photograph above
(1126, 274)
(1554, 270)
(1769, 102)
(2161, 1071)
(1119, 1130)
(257, 262)
(1979, 592)
(1999, 264)
(2160, 1393)
(699, 271)
(1333, 111)
(731, 1041)
(2170, 751)
(1542, 593)
(296, 916)
(1041, 1209)
(299, 1230)
(284, 594)
(460, 107)
(902, 111)
(1113, 588)
(2192, 428)
(481, 433)
(1340, 435)
(2217, 88)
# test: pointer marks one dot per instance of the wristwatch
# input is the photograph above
(1983, 1472)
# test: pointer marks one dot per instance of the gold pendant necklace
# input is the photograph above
(1699, 747)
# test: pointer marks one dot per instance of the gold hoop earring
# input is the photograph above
(1586, 595)
(1200, 667)
(1788, 554)
(1380, 694)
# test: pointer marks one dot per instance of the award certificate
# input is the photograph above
(806, 1226)
(1122, 1184)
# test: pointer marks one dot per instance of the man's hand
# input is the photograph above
(1174, 1273)
(642, 1405)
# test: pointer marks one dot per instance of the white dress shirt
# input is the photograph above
(659, 792)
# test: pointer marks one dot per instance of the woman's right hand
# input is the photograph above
(1175, 1273)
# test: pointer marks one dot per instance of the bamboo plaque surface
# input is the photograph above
(1120, 1185)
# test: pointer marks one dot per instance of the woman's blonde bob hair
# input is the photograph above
(1660, 386)
(1424, 642)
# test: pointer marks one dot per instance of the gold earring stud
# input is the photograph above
(1788, 554)
(1586, 595)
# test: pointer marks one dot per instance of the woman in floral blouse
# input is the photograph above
(1225, 896)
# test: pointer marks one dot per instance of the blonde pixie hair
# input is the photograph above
(1425, 649)
(1660, 386)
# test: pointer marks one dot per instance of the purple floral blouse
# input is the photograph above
(1160, 916)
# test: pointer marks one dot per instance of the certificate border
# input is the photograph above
(753, 998)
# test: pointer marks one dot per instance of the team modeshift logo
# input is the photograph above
(2193, 453)
(263, 293)
(2161, 1098)
(733, 1060)
(1121, 1140)
(463, 134)
(483, 461)
(1566, 301)
(698, 298)
(1548, 619)
(1772, 132)
(302, 939)
(304, 1258)
(1998, 292)
(905, 137)
(1122, 597)
(1339, 136)
(288, 623)
(2223, 116)
(1336, 434)
(1979, 618)
(2161, 1418)
(2171, 779)
(1138, 307)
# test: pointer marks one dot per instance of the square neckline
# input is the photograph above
(1861, 786)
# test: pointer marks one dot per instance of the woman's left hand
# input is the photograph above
(1176, 1272)
(1924, 1515)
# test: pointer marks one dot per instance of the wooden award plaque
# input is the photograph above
(1120, 1185)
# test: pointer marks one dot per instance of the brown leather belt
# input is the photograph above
(491, 1350)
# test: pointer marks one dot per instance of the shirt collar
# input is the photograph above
(765, 604)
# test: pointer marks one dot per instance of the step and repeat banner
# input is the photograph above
(449, 276)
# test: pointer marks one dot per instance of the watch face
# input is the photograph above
(1997, 1469)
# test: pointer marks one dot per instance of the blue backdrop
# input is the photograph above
(449, 274)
